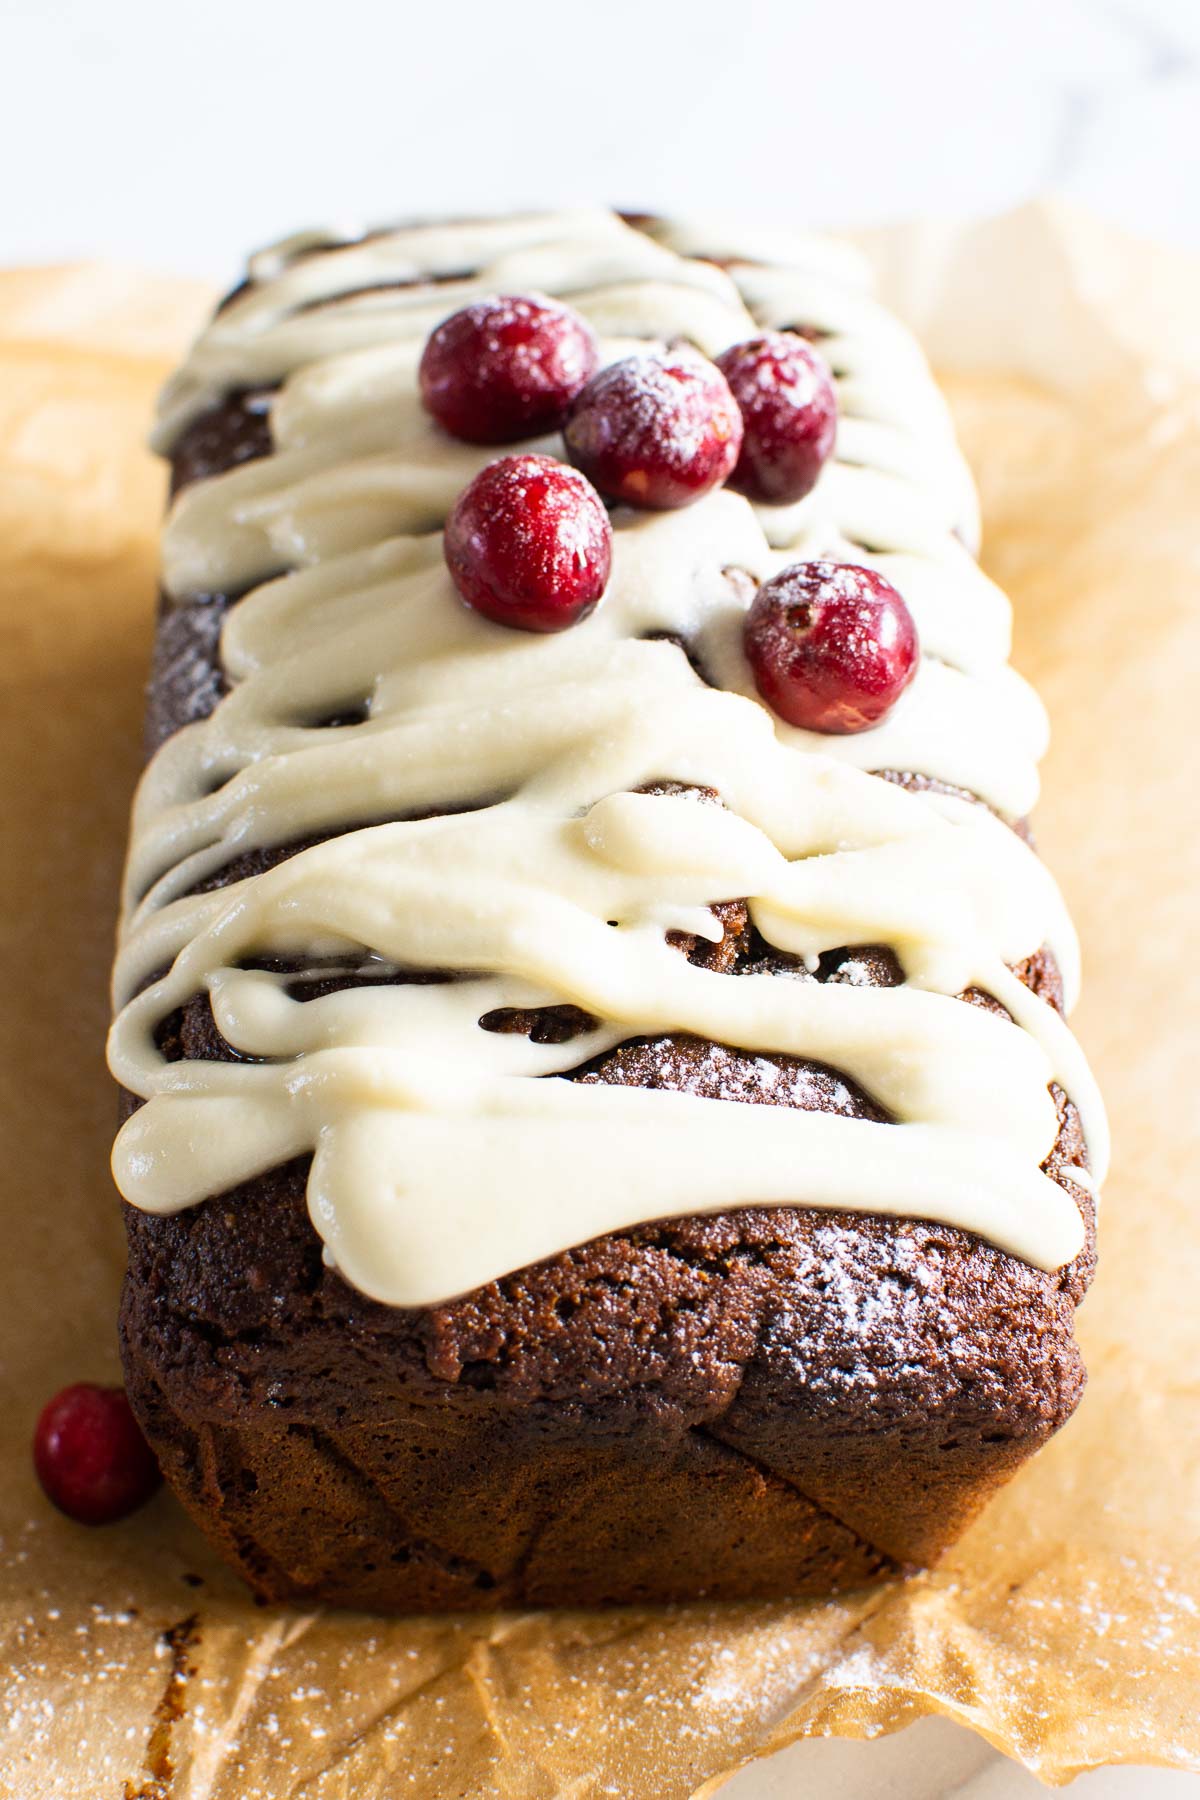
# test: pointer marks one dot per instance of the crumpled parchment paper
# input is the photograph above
(1066, 1625)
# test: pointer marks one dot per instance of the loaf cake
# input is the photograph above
(599, 1118)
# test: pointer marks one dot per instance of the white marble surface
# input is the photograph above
(932, 1760)
(176, 137)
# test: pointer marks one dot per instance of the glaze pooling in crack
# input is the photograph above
(439, 1146)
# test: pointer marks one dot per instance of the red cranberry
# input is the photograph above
(90, 1455)
(789, 411)
(657, 430)
(832, 646)
(529, 543)
(506, 369)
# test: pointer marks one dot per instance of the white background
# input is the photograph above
(178, 135)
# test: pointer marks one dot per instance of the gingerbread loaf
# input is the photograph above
(589, 1136)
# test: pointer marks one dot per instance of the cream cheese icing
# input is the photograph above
(439, 1148)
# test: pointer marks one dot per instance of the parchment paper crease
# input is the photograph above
(1066, 1627)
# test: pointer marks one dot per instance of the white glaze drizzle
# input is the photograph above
(446, 1155)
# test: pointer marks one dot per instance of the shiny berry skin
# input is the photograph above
(506, 369)
(832, 646)
(90, 1455)
(529, 544)
(656, 431)
(789, 411)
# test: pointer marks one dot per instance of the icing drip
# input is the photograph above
(446, 1154)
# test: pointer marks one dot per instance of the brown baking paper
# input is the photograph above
(1066, 1626)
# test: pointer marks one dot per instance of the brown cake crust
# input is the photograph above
(761, 1402)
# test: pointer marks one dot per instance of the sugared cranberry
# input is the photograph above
(529, 543)
(90, 1455)
(789, 411)
(506, 369)
(832, 646)
(657, 430)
